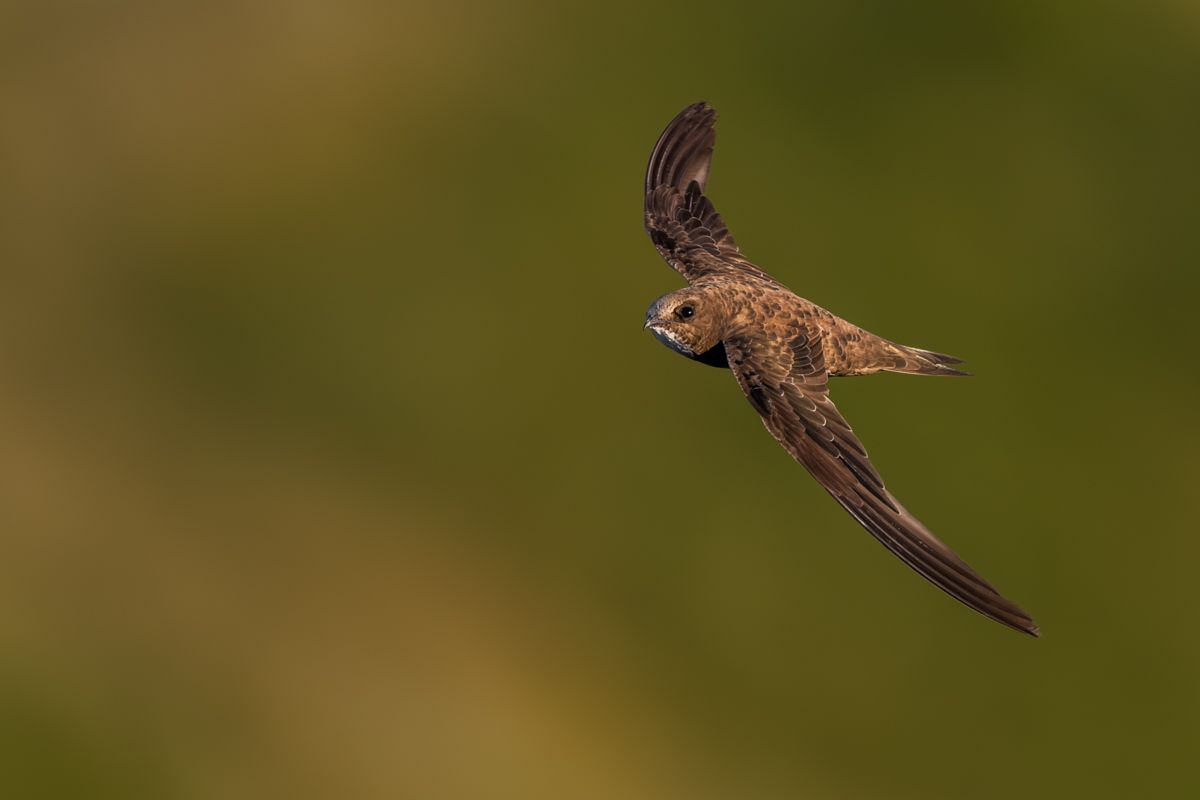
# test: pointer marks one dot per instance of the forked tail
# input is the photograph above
(916, 361)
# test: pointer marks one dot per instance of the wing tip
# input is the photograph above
(1012, 616)
(684, 149)
(698, 117)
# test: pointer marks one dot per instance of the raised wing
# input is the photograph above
(681, 221)
(783, 375)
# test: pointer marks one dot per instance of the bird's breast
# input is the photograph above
(714, 356)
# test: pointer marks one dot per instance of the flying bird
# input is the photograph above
(782, 349)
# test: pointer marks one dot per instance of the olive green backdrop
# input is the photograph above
(334, 461)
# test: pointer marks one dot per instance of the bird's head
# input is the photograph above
(686, 321)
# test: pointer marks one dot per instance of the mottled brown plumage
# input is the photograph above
(782, 350)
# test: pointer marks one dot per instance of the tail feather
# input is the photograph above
(850, 350)
(926, 362)
(939, 358)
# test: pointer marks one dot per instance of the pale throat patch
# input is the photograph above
(670, 340)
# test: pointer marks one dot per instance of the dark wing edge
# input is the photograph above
(786, 382)
(683, 224)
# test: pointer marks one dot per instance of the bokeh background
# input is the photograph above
(334, 461)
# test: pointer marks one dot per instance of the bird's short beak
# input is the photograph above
(650, 323)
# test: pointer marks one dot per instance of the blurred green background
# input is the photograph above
(335, 461)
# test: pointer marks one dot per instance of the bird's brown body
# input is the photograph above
(782, 350)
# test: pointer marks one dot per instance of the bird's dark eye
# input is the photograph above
(686, 312)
